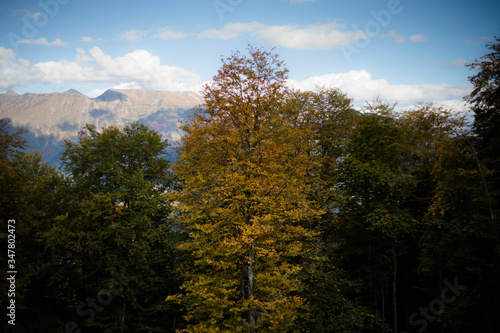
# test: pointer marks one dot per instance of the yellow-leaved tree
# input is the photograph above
(245, 169)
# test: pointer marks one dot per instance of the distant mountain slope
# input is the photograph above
(11, 92)
(72, 91)
(51, 118)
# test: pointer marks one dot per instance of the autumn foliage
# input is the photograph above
(244, 168)
(284, 211)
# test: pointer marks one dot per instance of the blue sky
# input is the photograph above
(404, 51)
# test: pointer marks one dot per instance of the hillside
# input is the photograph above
(52, 118)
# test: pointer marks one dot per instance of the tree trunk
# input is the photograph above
(251, 315)
(440, 274)
(492, 215)
(122, 319)
(382, 299)
(242, 283)
(394, 284)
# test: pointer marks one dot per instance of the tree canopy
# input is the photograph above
(285, 211)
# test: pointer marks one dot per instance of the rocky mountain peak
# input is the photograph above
(72, 91)
(11, 92)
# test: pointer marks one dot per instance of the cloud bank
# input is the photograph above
(139, 69)
(43, 41)
(360, 85)
(311, 37)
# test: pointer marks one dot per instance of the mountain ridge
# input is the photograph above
(72, 91)
(51, 118)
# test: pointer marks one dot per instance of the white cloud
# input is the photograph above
(97, 92)
(360, 85)
(6, 55)
(482, 40)
(314, 37)
(485, 39)
(138, 69)
(231, 30)
(458, 63)
(311, 37)
(167, 33)
(138, 35)
(34, 16)
(43, 41)
(88, 39)
(133, 35)
(416, 38)
(398, 38)
(16, 72)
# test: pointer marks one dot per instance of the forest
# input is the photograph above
(282, 211)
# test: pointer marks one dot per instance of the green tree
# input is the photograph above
(485, 103)
(245, 201)
(29, 195)
(117, 220)
(378, 182)
(11, 142)
(328, 114)
(457, 237)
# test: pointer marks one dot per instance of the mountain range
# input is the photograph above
(51, 118)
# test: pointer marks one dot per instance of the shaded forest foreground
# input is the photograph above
(285, 211)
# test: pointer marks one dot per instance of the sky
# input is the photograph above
(402, 51)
